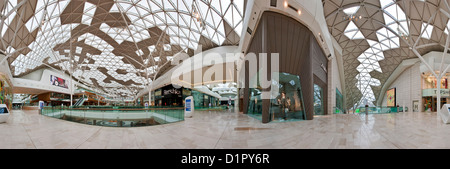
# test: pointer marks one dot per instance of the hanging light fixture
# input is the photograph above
(196, 14)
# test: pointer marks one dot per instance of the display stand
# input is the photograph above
(188, 106)
(41, 106)
(4, 113)
(445, 113)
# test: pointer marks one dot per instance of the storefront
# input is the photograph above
(174, 96)
(6, 96)
(203, 100)
(301, 90)
(429, 93)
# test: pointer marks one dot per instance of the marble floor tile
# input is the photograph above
(225, 129)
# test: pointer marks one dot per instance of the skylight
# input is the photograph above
(394, 17)
(352, 31)
(387, 39)
(447, 27)
(351, 10)
(427, 32)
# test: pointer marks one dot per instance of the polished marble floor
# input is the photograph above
(226, 129)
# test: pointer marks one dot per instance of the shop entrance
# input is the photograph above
(430, 103)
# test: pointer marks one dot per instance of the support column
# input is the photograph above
(331, 92)
(265, 68)
(71, 91)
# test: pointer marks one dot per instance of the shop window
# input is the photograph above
(287, 100)
(318, 100)
(339, 102)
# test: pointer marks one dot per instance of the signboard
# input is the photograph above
(41, 105)
(158, 93)
(188, 106)
(433, 93)
(56, 81)
(187, 92)
(172, 91)
(391, 97)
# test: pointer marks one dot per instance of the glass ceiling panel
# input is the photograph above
(448, 27)
(427, 32)
(394, 17)
(352, 31)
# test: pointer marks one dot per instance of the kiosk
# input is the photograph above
(4, 113)
(188, 106)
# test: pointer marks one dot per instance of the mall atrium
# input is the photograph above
(212, 74)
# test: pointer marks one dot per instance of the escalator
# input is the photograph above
(79, 102)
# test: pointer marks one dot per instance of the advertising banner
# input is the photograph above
(390, 97)
(56, 81)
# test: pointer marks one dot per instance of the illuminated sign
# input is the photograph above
(171, 91)
(158, 93)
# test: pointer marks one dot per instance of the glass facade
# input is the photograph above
(286, 103)
(203, 100)
(318, 100)
(255, 101)
(339, 102)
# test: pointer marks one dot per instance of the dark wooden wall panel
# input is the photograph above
(292, 41)
(318, 59)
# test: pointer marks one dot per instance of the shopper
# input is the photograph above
(284, 103)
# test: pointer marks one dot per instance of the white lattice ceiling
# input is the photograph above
(113, 43)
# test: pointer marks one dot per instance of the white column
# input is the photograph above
(71, 91)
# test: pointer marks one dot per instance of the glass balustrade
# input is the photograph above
(380, 110)
(337, 110)
(117, 116)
